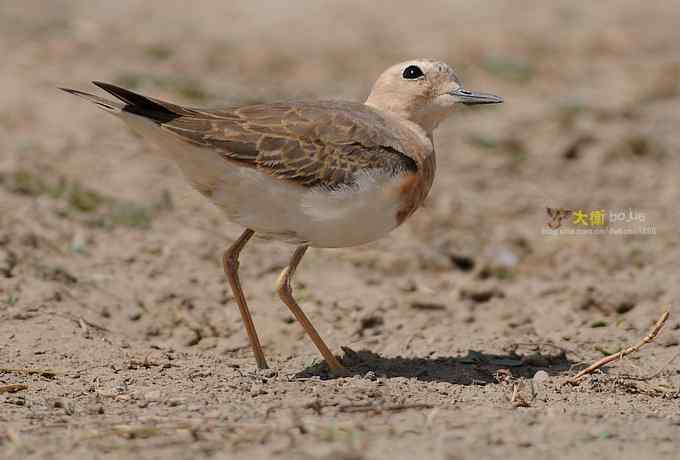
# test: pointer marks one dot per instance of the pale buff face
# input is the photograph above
(424, 91)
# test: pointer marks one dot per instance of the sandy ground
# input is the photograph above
(115, 314)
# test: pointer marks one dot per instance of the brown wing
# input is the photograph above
(311, 144)
(308, 143)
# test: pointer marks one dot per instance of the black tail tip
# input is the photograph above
(108, 87)
(139, 104)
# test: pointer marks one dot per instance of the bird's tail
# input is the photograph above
(132, 103)
(106, 104)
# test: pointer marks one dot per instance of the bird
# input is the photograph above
(320, 174)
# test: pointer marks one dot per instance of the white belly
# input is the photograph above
(316, 216)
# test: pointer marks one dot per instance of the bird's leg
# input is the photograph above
(230, 261)
(283, 286)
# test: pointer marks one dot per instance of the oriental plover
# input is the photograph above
(326, 174)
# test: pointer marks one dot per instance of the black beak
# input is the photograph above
(473, 98)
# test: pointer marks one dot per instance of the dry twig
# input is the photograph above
(653, 333)
(12, 388)
(517, 399)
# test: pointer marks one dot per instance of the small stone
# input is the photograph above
(541, 376)
(505, 257)
(370, 375)
(174, 402)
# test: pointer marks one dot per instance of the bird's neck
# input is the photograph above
(418, 144)
(423, 122)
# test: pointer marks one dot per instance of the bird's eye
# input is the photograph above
(412, 72)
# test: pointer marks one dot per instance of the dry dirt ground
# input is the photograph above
(115, 314)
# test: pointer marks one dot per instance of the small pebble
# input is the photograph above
(370, 375)
(174, 402)
(505, 257)
(541, 376)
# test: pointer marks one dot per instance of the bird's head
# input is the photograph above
(423, 91)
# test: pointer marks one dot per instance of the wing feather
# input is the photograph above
(310, 144)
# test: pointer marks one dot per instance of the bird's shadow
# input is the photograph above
(474, 368)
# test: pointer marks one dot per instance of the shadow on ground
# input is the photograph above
(475, 368)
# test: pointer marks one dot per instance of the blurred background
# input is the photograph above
(91, 225)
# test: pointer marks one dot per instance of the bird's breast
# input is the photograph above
(414, 188)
